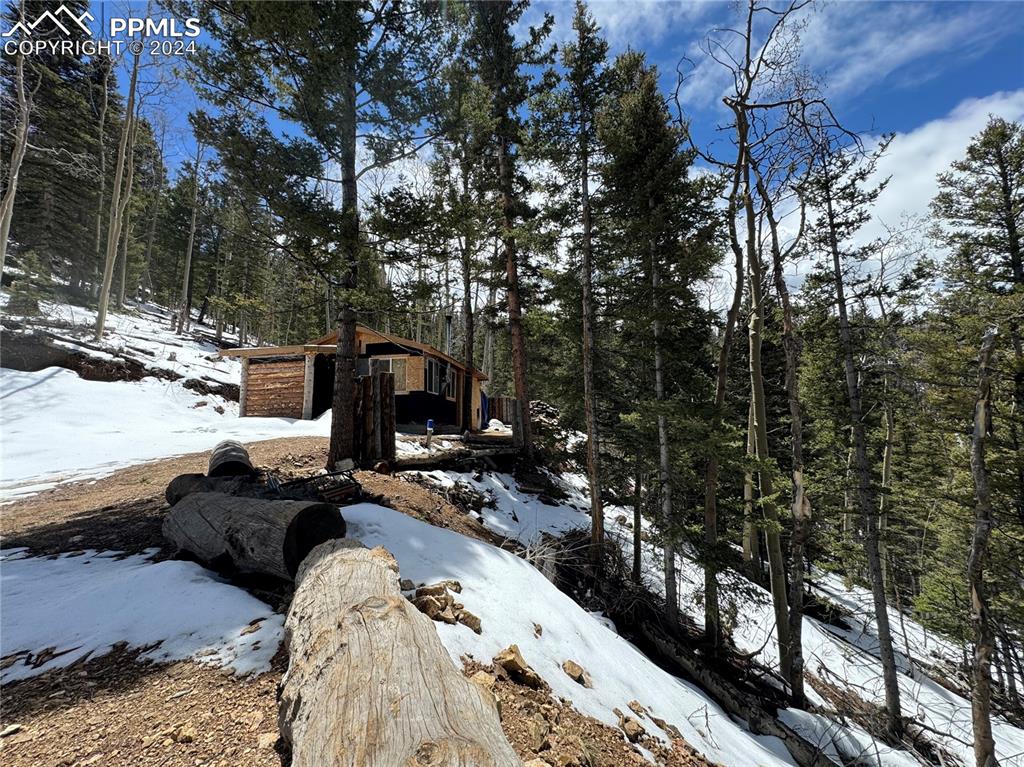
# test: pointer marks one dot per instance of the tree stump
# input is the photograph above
(267, 537)
(369, 683)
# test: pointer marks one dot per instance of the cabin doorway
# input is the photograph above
(323, 383)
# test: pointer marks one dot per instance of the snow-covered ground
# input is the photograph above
(82, 604)
(56, 427)
(493, 579)
(844, 658)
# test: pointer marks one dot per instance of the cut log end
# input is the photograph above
(313, 525)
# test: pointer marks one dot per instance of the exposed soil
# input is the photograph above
(116, 710)
(542, 726)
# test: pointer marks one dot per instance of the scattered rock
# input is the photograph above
(447, 615)
(184, 734)
(537, 728)
(512, 661)
(630, 726)
(11, 729)
(670, 729)
(637, 708)
(406, 585)
(266, 740)
(466, 618)
(483, 679)
(577, 673)
(536, 763)
(537, 630)
(429, 606)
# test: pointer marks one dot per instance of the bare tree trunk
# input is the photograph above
(638, 517)
(117, 206)
(342, 446)
(664, 458)
(883, 501)
(18, 150)
(515, 310)
(151, 234)
(468, 329)
(184, 311)
(589, 403)
(868, 510)
(984, 641)
(712, 620)
(773, 538)
(751, 530)
(800, 504)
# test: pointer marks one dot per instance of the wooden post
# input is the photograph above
(518, 439)
(369, 683)
(307, 389)
(244, 387)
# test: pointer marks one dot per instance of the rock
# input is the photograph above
(633, 729)
(483, 679)
(447, 615)
(537, 729)
(536, 763)
(466, 618)
(577, 673)
(512, 661)
(537, 630)
(452, 586)
(551, 713)
(429, 605)
(636, 708)
(11, 729)
(406, 585)
(266, 740)
(434, 590)
(670, 729)
(184, 734)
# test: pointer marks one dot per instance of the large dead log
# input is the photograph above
(369, 683)
(186, 484)
(268, 537)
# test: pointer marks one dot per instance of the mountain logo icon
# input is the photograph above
(54, 18)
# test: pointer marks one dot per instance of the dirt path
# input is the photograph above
(116, 710)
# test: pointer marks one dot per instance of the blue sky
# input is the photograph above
(930, 72)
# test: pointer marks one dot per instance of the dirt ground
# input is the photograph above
(116, 710)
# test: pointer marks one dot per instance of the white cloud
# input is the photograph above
(856, 46)
(915, 158)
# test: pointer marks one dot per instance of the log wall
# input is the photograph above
(275, 388)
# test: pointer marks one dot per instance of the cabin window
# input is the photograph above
(433, 380)
(449, 383)
(396, 365)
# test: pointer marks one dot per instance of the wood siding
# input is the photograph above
(275, 388)
(414, 374)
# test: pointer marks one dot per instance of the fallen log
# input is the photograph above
(230, 459)
(369, 683)
(186, 484)
(267, 537)
(761, 722)
(447, 458)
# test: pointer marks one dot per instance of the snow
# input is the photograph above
(493, 579)
(82, 604)
(58, 427)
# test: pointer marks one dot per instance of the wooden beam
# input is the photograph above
(307, 389)
(243, 389)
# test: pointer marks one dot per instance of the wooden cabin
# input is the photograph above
(298, 381)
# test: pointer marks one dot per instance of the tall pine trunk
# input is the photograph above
(515, 309)
(183, 310)
(984, 640)
(18, 150)
(469, 339)
(342, 415)
(117, 207)
(712, 619)
(589, 403)
(865, 494)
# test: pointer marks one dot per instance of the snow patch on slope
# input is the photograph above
(510, 596)
(83, 604)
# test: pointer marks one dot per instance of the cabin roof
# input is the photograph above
(328, 344)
